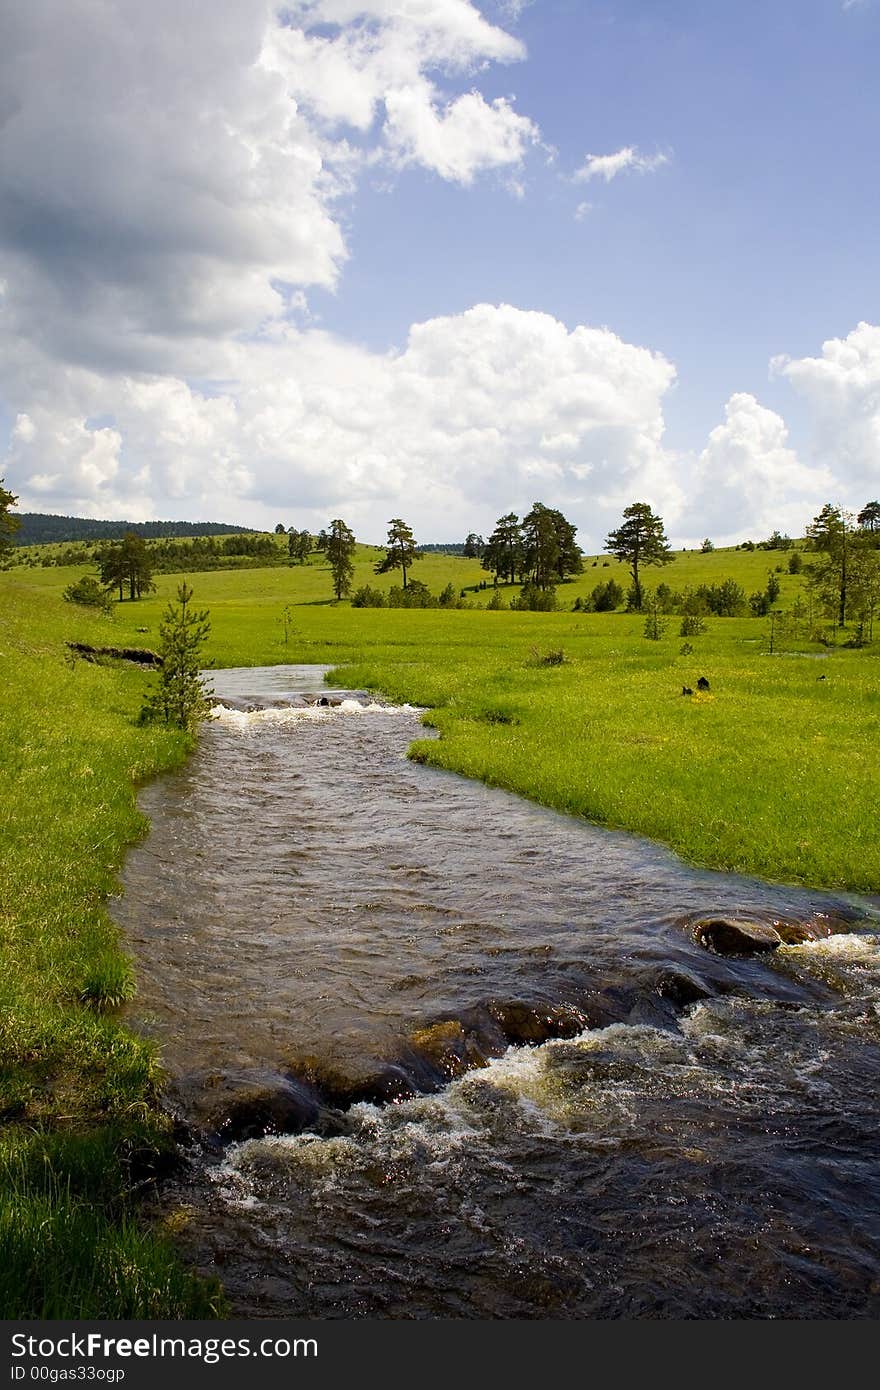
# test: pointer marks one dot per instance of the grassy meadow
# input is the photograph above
(772, 772)
(78, 1093)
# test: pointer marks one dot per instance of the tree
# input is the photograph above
(832, 535)
(127, 563)
(550, 551)
(640, 540)
(707, 547)
(280, 529)
(474, 546)
(181, 697)
(340, 554)
(402, 549)
(869, 517)
(9, 524)
(865, 591)
(540, 545)
(503, 553)
(299, 545)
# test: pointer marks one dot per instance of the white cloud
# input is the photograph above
(749, 482)
(842, 391)
(481, 411)
(171, 174)
(608, 166)
(463, 139)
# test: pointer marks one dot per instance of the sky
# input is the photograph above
(440, 259)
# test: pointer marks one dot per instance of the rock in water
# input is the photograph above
(730, 937)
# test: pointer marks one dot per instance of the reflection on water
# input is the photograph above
(322, 925)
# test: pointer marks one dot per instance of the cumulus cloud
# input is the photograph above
(842, 392)
(173, 178)
(172, 174)
(749, 481)
(626, 160)
(490, 408)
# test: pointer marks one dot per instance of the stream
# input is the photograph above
(440, 1052)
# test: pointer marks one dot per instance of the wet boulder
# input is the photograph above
(523, 1022)
(249, 1107)
(796, 933)
(447, 1050)
(730, 936)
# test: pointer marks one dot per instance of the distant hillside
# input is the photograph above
(41, 528)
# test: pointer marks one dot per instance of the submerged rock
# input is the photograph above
(449, 1050)
(522, 1022)
(237, 1107)
(730, 937)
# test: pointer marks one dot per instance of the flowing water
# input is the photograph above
(444, 1053)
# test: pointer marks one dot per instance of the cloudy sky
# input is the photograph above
(439, 259)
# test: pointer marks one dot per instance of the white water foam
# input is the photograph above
(241, 720)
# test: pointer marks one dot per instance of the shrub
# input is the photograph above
(606, 597)
(692, 625)
(90, 593)
(725, 600)
(554, 657)
(795, 562)
(415, 595)
(535, 600)
(368, 597)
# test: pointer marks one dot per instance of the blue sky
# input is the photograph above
(759, 237)
(244, 260)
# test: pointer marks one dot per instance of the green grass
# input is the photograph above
(78, 1092)
(773, 772)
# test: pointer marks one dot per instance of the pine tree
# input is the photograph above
(181, 697)
(832, 533)
(8, 522)
(869, 516)
(402, 549)
(127, 563)
(340, 553)
(503, 553)
(640, 540)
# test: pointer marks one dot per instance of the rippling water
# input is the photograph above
(335, 941)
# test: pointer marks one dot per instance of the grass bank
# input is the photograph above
(81, 1126)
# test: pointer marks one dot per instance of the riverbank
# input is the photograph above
(82, 1129)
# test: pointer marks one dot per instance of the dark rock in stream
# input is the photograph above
(248, 1106)
(448, 1050)
(521, 1022)
(729, 937)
